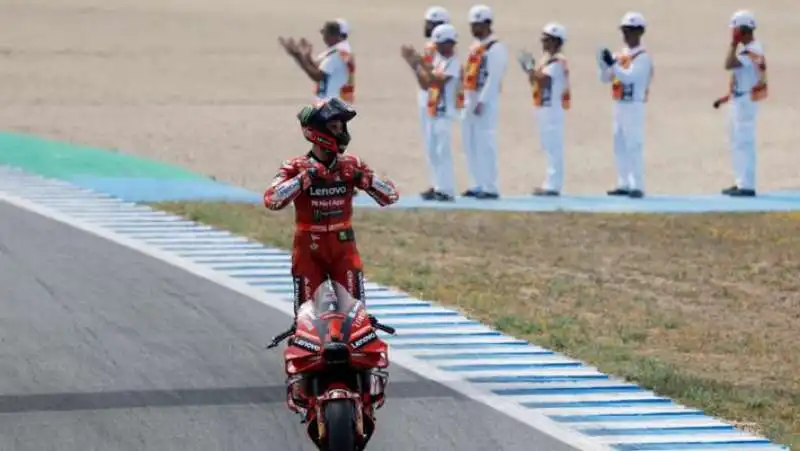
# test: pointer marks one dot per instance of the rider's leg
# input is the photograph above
(307, 273)
(346, 268)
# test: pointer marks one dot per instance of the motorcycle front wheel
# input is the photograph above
(340, 426)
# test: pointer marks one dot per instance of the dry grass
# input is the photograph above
(702, 308)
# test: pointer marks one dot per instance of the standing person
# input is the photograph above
(482, 80)
(748, 86)
(320, 183)
(434, 16)
(441, 79)
(551, 98)
(332, 71)
(630, 74)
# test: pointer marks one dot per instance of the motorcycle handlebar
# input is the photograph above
(388, 329)
(283, 336)
(289, 332)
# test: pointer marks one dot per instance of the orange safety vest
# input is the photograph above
(435, 94)
(759, 91)
(471, 71)
(566, 96)
(460, 90)
(347, 92)
(429, 52)
(617, 89)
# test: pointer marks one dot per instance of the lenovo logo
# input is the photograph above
(364, 340)
(327, 191)
(305, 344)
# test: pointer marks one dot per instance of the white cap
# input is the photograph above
(437, 14)
(743, 18)
(443, 33)
(344, 27)
(633, 19)
(555, 30)
(480, 13)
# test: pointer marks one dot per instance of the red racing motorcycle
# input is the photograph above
(336, 369)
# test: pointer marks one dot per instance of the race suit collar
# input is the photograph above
(329, 164)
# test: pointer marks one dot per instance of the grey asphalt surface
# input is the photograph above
(103, 348)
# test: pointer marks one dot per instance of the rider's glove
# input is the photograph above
(315, 172)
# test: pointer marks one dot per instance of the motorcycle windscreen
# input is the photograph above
(333, 313)
(332, 297)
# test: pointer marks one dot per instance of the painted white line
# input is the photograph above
(758, 447)
(178, 235)
(113, 222)
(424, 320)
(227, 264)
(18, 184)
(522, 360)
(200, 246)
(66, 202)
(428, 371)
(454, 340)
(432, 310)
(59, 196)
(659, 424)
(61, 191)
(91, 211)
(599, 383)
(133, 219)
(180, 229)
(538, 372)
(576, 398)
(256, 273)
(446, 331)
(206, 241)
(478, 349)
(375, 300)
(228, 256)
(701, 438)
(617, 410)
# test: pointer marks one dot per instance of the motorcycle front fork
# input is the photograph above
(298, 393)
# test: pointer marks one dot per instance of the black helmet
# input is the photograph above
(315, 118)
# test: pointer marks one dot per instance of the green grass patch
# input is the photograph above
(700, 308)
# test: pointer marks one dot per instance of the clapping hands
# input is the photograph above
(409, 54)
(296, 49)
(607, 57)
(526, 60)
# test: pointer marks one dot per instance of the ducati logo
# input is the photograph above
(314, 246)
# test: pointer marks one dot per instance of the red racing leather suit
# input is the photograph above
(324, 241)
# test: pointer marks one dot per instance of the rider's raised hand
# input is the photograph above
(348, 171)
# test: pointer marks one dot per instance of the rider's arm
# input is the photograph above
(285, 187)
(382, 190)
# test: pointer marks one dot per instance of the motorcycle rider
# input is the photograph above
(321, 183)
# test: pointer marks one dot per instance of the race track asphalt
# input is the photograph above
(103, 348)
